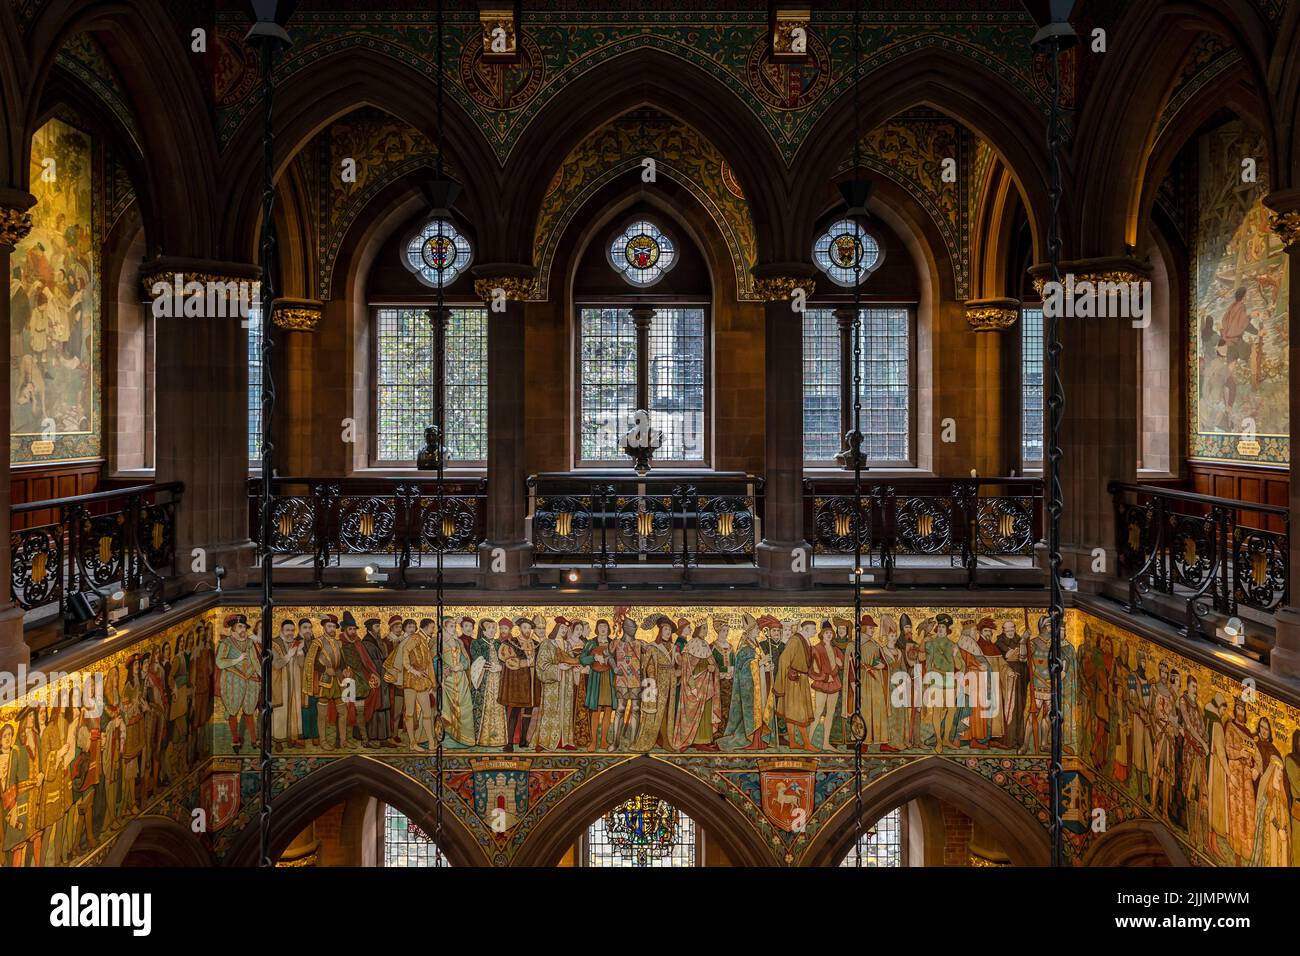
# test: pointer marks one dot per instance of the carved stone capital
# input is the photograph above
(992, 315)
(166, 269)
(782, 288)
(297, 315)
(15, 216)
(1111, 269)
(1285, 216)
(514, 288)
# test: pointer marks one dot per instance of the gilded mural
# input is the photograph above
(84, 753)
(54, 342)
(1240, 337)
(1209, 756)
(539, 701)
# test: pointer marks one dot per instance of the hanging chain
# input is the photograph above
(1056, 409)
(440, 343)
(855, 448)
(266, 303)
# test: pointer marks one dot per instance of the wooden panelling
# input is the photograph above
(46, 482)
(1267, 486)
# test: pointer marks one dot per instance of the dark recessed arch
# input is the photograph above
(722, 822)
(1136, 843)
(158, 841)
(1025, 840)
(357, 774)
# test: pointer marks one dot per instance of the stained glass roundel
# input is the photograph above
(438, 253)
(846, 252)
(642, 252)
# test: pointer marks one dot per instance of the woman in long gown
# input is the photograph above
(698, 711)
(492, 731)
(1272, 803)
(578, 635)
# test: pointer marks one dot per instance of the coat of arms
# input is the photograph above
(786, 789)
(500, 792)
(222, 799)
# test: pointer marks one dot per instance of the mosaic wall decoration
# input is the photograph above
(1162, 736)
(83, 754)
(1208, 58)
(910, 150)
(54, 340)
(560, 46)
(1240, 334)
(680, 153)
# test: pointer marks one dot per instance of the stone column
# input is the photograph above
(642, 316)
(779, 563)
(844, 320)
(15, 224)
(505, 555)
(1098, 437)
(989, 400)
(297, 321)
(1285, 658)
(202, 417)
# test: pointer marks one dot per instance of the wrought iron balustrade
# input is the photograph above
(962, 520)
(1212, 554)
(680, 521)
(406, 518)
(123, 539)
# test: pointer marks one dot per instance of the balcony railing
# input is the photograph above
(407, 519)
(1210, 554)
(608, 520)
(98, 544)
(917, 520)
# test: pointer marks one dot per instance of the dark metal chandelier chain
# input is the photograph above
(440, 327)
(1056, 407)
(855, 449)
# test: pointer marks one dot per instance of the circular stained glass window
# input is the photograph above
(438, 253)
(642, 252)
(847, 253)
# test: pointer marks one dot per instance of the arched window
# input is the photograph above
(847, 253)
(888, 344)
(642, 252)
(437, 253)
(405, 844)
(644, 831)
(1032, 355)
(884, 843)
(405, 376)
(255, 386)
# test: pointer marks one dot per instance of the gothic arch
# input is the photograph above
(977, 98)
(329, 89)
(643, 77)
(1136, 843)
(561, 827)
(157, 841)
(1025, 840)
(321, 789)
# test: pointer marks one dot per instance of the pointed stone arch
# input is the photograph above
(565, 823)
(1024, 838)
(158, 841)
(357, 774)
(1136, 843)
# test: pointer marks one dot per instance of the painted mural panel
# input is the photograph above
(1240, 338)
(636, 680)
(1164, 736)
(54, 306)
(83, 753)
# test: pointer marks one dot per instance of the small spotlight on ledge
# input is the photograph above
(373, 576)
(1233, 632)
(572, 576)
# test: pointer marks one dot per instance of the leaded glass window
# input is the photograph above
(886, 390)
(881, 844)
(1031, 386)
(644, 831)
(405, 844)
(438, 253)
(255, 385)
(642, 253)
(847, 253)
(405, 373)
(608, 370)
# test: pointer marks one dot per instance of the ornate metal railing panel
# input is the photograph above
(120, 540)
(402, 519)
(961, 520)
(607, 520)
(1212, 554)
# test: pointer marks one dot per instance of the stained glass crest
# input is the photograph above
(642, 252)
(438, 253)
(846, 253)
(644, 831)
